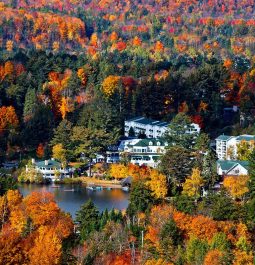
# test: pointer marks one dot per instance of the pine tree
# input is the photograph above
(141, 199)
(209, 172)
(62, 134)
(88, 218)
(30, 104)
(177, 134)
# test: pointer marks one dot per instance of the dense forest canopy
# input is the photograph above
(71, 73)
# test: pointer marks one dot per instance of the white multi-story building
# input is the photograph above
(152, 128)
(139, 151)
(147, 152)
(50, 169)
(113, 155)
(227, 146)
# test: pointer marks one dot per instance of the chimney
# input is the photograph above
(33, 161)
(46, 162)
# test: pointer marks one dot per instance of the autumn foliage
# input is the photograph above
(33, 230)
(8, 118)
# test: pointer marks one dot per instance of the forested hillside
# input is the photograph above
(58, 58)
(71, 73)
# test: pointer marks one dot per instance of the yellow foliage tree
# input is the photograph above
(110, 85)
(158, 184)
(244, 149)
(66, 106)
(241, 258)
(59, 152)
(193, 184)
(82, 75)
(236, 186)
(118, 171)
(9, 45)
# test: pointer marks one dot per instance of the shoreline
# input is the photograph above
(104, 183)
(84, 181)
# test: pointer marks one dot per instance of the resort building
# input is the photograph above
(50, 169)
(151, 128)
(227, 146)
(232, 168)
(147, 152)
(139, 151)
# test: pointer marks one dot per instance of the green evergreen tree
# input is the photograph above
(176, 164)
(30, 103)
(185, 204)
(209, 170)
(177, 132)
(141, 198)
(62, 134)
(7, 183)
(88, 219)
(170, 238)
(196, 251)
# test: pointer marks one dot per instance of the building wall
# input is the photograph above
(224, 147)
(153, 131)
(237, 171)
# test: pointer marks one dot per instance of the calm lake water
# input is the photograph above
(70, 201)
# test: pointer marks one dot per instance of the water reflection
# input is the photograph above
(71, 197)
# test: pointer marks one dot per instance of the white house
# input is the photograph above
(232, 167)
(147, 152)
(113, 154)
(226, 146)
(140, 151)
(50, 169)
(152, 128)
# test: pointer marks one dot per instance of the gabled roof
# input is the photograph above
(245, 137)
(224, 137)
(146, 142)
(51, 163)
(227, 165)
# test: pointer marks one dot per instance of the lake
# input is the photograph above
(71, 197)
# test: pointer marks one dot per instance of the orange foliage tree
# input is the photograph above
(213, 256)
(8, 118)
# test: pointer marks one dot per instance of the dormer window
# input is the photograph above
(150, 143)
(158, 143)
(166, 144)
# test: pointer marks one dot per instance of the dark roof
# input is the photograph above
(127, 180)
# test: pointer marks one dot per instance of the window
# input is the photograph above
(150, 143)
(158, 143)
